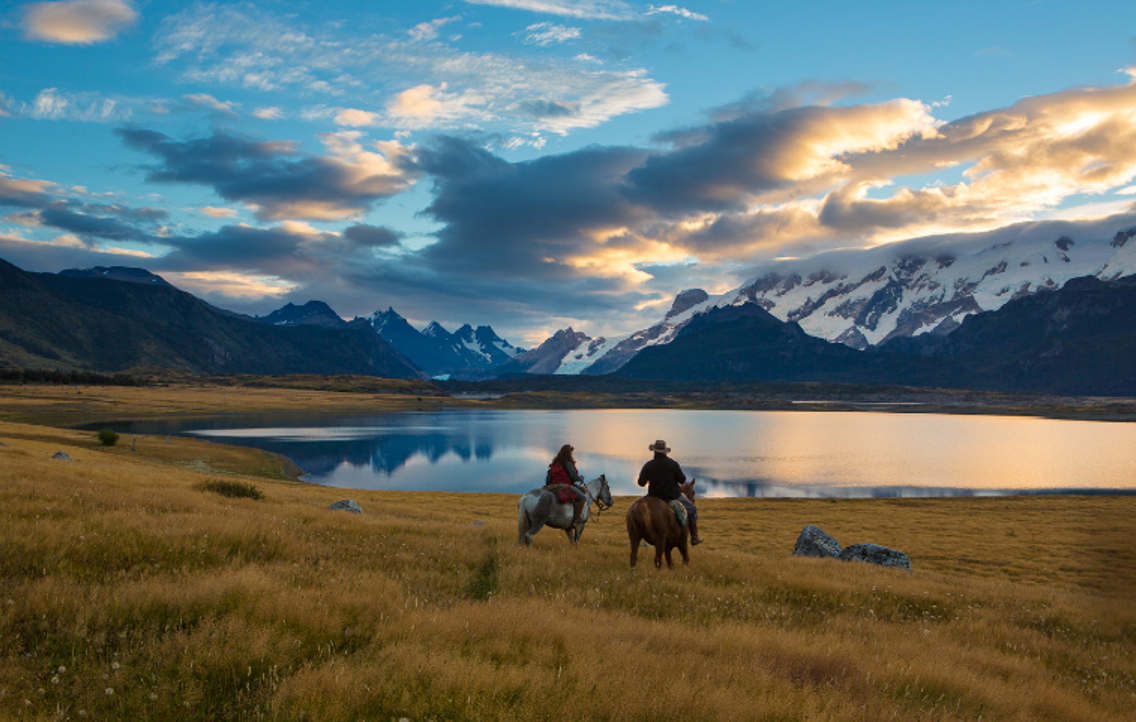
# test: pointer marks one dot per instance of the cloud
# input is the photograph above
(429, 30)
(220, 212)
(354, 118)
(590, 9)
(545, 34)
(426, 105)
(203, 100)
(277, 180)
(408, 83)
(270, 113)
(371, 236)
(52, 104)
(77, 22)
(675, 10)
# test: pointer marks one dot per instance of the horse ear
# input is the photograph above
(692, 481)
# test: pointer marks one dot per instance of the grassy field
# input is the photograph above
(132, 587)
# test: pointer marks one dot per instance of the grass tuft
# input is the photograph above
(232, 489)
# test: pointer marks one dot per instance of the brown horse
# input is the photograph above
(652, 520)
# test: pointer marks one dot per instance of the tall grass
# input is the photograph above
(127, 593)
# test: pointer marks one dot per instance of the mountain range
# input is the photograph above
(90, 321)
(465, 352)
(866, 298)
(1017, 309)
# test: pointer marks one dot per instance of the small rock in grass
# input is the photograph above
(347, 505)
(815, 543)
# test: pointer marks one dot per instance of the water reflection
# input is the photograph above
(753, 454)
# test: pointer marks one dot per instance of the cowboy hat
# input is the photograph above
(660, 446)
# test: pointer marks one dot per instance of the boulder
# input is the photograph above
(815, 543)
(347, 505)
(61, 455)
(876, 554)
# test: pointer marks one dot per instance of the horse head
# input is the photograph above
(687, 489)
(603, 498)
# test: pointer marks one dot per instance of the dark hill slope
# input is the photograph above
(104, 325)
(1079, 339)
(747, 343)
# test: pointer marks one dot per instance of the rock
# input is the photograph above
(62, 456)
(347, 505)
(815, 543)
(478, 523)
(876, 554)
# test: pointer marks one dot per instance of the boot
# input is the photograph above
(695, 540)
(577, 511)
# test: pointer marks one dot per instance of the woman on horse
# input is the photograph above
(562, 477)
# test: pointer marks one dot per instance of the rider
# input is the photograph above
(562, 474)
(665, 478)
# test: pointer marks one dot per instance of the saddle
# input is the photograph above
(562, 492)
(679, 510)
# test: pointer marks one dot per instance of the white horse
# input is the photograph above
(539, 508)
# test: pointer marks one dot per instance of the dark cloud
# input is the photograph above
(277, 179)
(58, 216)
(371, 236)
(503, 218)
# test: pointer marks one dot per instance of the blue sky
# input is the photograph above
(538, 164)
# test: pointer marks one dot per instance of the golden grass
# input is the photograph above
(128, 592)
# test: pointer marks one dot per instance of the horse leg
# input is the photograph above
(670, 562)
(523, 525)
(682, 548)
(659, 547)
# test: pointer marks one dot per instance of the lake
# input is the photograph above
(732, 453)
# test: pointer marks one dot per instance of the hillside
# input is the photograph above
(98, 324)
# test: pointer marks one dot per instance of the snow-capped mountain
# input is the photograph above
(441, 352)
(864, 298)
(929, 285)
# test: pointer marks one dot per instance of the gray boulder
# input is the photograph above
(876, 554)
(347, 505)
(62, 456)
(815, 543)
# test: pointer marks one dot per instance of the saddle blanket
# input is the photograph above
(679, 510)
(562, 492)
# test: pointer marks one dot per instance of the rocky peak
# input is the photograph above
(687, 299)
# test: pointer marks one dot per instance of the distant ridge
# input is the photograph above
(91, 322)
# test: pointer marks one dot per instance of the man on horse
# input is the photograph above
(663, 476)
(562, 478)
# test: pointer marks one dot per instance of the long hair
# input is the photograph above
(564, 456)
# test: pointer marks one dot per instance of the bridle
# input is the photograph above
(600, 505)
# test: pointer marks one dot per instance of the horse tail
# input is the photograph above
(523, 523)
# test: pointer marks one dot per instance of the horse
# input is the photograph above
(539, 508)
(652, 520)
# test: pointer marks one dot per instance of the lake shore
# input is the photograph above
(131, 588)
(166, 394)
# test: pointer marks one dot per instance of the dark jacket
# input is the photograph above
(664, 476)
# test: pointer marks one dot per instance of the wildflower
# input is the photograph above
(109, 691)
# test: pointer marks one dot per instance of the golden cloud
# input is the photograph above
(77, 22)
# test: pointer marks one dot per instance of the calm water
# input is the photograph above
(766, 454)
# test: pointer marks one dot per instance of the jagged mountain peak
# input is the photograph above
(312, 313)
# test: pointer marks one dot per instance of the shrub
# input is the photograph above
(232, 489)
(108, 437)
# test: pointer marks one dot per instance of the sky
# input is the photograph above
(539, 164)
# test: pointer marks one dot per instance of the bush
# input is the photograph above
(108, 437)
(232, 489)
